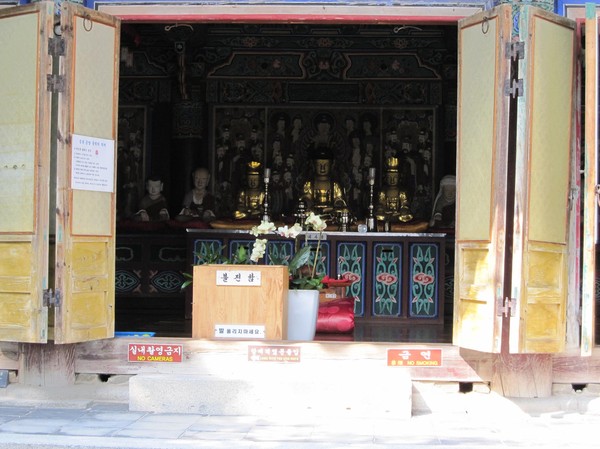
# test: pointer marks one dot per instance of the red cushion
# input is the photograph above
(336, 316)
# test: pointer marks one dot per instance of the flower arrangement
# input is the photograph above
(302, 275)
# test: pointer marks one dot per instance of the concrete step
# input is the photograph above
(331, 389)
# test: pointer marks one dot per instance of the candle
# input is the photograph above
(267, 173)
(372, 173)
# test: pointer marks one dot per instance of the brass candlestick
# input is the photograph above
(371, 227)
(267, 178)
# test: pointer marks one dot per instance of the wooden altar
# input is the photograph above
(395, 276)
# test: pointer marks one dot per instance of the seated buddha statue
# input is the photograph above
(392, 200)
(198, 203)
(153, 206)
(250, 199)
(322, 195)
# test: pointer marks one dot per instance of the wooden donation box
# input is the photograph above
(240, 302)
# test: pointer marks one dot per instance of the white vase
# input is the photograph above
(303, 310)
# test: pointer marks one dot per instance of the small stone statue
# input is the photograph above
(198, 203)
(444, 206)
(153, 206)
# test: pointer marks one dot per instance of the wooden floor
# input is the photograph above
(168, 324)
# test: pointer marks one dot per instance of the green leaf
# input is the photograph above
(300, 259)
(189, 280)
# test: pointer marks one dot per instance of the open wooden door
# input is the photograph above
(481, 172)
(515, 140)
(86, 176)
(545, 140)
(59, 158)
(24, 170)
(590, 208)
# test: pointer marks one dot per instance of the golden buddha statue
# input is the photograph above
(250, 200)
(392, 201)
(322, 195)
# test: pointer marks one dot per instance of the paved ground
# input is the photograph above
(440, 418)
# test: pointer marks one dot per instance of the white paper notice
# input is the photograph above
(92, 164)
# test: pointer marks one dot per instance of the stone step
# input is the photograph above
(333, 389)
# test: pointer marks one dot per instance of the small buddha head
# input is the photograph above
(322, 160)
(322, 166)
(201, 177)
(253, 174)
(391, 171)
(154, 186)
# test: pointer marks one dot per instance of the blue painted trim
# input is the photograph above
(436, 296)
(400, 280)
(363, 280)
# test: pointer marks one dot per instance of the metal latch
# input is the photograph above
(513, 88)
(509, 305)
(51, 298)
(514, 50)
(56, 46)
(55, 83)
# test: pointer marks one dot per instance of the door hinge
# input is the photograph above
(514, 50)
(52, 298)
(513, 88)
(56, 47)
(506, 305)
(56, 83)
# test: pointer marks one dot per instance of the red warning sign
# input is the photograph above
(414, 357)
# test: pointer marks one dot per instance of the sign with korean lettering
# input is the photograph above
(144, 352)
(92, 164)
(238, 331)
(238, 277)
(414, 357)
(273, 353)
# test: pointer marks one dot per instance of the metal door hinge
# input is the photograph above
(56, 46)
(55, 83)
(506, 305)
(51, 298)
(513, 88)
(514, 50)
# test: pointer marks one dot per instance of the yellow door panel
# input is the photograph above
(543, 315)
(481, 170)
(545, 142)
(85, 253)
(24, 170)
(475, 294)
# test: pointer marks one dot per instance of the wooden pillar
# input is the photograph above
(522, 375)
(47, 364)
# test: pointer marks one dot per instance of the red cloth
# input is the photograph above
(336, 316)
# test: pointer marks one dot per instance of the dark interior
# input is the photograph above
(193, 94)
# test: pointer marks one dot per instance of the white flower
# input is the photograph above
(258, 250)
(290, 233)
(315, 222)
(263, 228)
